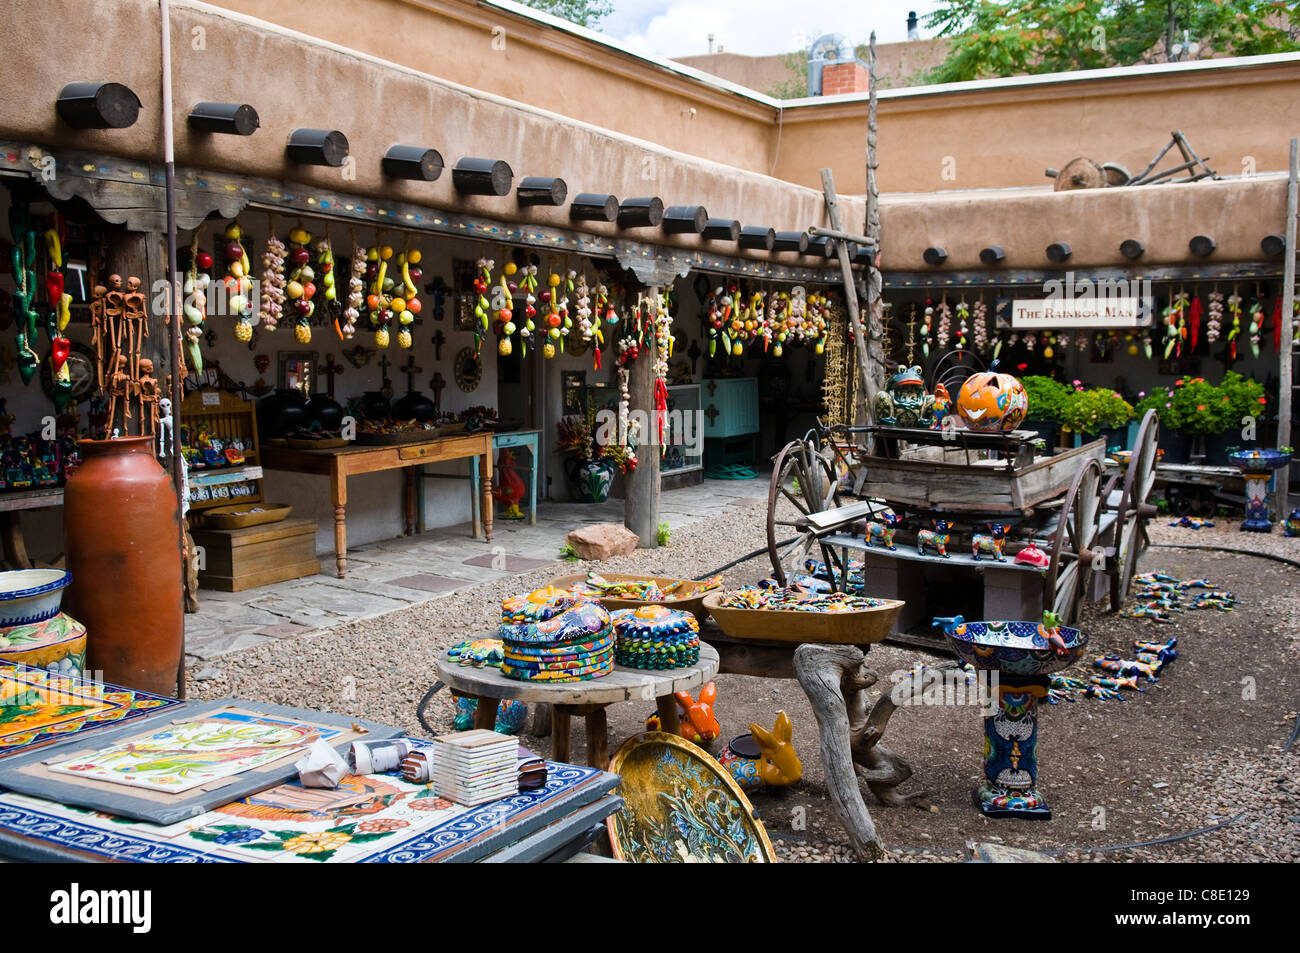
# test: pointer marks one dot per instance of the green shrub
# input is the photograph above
(1047, 397)
(1088, 411)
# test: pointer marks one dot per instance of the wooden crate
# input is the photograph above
(239, 559)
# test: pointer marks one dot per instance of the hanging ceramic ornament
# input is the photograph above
(528, 284)
(1256, 329)
(503, 309)
(195, 303)
(60, 315)
(356, 292)
(404, 302)
(1214, 325)
(963, 318)
(326, 280)
(1234, 309)
(23, 261)
(300, 288)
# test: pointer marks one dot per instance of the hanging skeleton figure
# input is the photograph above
(164, 425)
(119, 326)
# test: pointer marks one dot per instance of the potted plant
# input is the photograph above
(1246, 405)
(1199, 410)
(1047, 398)
(589, 463)
(1098, 410)
(1171, 440)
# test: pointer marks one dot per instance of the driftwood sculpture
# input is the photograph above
(835, 678)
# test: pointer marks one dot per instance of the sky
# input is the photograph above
(671, 28)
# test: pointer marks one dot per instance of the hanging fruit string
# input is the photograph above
(356, 287)
(194, 307)
(1215, 324)
(60, 311)
(1234, 309)
(327, 279)
(1175, 324)
(273, 284)
(405, 301)
(503, 308)
(301, 285)
(529, 285)
(1256, 322)
(963, 317)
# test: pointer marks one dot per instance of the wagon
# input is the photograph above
(1091, 532)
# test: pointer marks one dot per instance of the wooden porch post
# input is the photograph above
(641, 502)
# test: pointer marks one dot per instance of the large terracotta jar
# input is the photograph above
(122, 535)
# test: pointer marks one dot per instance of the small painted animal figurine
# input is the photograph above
(882, 531)
(775, 762)
(1293, 523)
(1050, 628)
(992, 542)
(936, 539)
(695, 718)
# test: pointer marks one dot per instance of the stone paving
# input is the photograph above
(396, 573)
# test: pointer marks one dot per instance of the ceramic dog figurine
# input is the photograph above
(936, 539)
(697, 722)
(775, 762)
(883, 531)
(991, 542)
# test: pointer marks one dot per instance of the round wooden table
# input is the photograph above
(588, 699)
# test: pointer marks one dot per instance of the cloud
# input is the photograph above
(669, 28)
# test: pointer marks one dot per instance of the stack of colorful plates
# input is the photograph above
(656, 637)
(551, 636)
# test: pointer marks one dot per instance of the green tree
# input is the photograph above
(796, 86)
(1050, 36)
(586, 13)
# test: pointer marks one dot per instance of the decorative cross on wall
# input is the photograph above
(439, 339)
(712, 413)
(330, 369)
(411, 370)
(436, 384)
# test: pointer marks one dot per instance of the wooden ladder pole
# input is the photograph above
(1286, 353)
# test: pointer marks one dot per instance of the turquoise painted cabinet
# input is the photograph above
(730, 407)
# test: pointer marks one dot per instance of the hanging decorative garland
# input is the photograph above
(272, 303)
(60, 314)
(238, 282)
(944, 332)
(963, 317)
(301, 287)
(1256, 326)
(1215, 323)
(356, 291)
(1234, 309)
(196, 299)
(503, 310)
(529, 285)
(980, 320)
(1194, 323)
(325, 272)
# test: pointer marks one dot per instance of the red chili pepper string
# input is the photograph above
(1194, 331)
(1277, 323)
(661, 407)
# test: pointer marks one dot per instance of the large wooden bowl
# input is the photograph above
(693, 604)
(786, 625)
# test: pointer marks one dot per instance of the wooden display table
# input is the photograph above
(588, 699)
(338, 464)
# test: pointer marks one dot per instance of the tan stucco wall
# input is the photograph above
(1235, 213)
(1006, 137)
(547, 68)
(294, 81)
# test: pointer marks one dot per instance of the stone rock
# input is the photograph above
(602, 540)
(998, 854)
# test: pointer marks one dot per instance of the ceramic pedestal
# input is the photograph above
(1257, 467)
(1010, 756)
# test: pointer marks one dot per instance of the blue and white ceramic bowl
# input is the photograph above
(1013, 648)
(31, 595)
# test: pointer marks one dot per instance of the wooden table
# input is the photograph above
(340, 463)
(588, 699)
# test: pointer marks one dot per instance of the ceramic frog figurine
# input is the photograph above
(904, 401)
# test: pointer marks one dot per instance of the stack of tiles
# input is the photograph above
(552, 636)
(656, 637)
(474, 767)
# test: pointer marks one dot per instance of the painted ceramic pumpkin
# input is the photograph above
(990, 402)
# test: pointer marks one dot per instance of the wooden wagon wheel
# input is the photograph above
(806, 480)
(1134, 510)
(1068, 575)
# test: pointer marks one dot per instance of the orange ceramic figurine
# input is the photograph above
(763, 757)
(697, 722)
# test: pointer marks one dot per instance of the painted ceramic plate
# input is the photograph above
(681, 806)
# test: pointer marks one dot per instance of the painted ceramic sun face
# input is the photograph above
(992, 402)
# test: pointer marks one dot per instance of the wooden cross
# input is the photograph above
(436, 384)
(330, 369)
(411, 370)
(712, 413)
(439, 339)
(384, 364)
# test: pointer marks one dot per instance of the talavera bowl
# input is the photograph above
(31, 595)
(1013, 648)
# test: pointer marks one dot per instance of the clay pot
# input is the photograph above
(122, 535)
(414, 405)
(281, 412)
(326, 411)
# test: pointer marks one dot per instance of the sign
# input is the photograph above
(1088, 314)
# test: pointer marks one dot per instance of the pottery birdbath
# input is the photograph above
(1257, 466)
(1023, 654)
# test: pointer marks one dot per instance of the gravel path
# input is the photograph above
(1198, 748)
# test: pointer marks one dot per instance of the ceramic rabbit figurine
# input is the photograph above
(777, 764)
(696, 719)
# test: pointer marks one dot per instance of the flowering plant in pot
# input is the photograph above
(591, 457)
(1095, 410)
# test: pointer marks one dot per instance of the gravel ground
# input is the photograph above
(1199, 748)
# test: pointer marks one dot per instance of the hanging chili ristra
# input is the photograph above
(1277, 323)
(60, 315)
(1194, 323)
